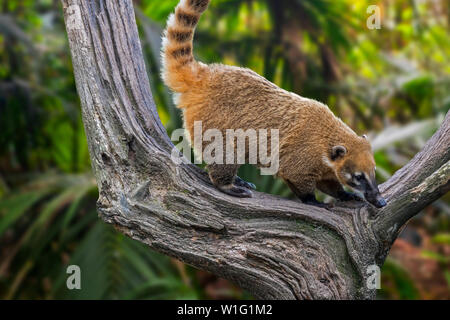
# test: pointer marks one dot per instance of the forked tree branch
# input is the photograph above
(423, 180)
(273, 247)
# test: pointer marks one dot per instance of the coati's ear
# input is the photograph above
(338, 151)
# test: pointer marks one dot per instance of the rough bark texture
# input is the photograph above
(272, 247)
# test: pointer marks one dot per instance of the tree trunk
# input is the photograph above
(272, 247)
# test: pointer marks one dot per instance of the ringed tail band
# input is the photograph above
(179, 65)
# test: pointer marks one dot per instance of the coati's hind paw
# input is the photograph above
(242, 183)
(236, 191)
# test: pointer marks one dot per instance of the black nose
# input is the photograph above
(380, 202)
(375, 199)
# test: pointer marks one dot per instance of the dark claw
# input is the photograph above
(242, 183)
(237, 191)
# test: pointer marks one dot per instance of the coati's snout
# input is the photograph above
(357, 170)
(375, 198)
(368, 186)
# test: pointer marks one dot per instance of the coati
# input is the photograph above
(316, 149)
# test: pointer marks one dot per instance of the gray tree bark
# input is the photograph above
(272, 247)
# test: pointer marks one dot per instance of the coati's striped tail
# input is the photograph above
(179, 66)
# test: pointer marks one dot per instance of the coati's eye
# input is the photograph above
(359, 177)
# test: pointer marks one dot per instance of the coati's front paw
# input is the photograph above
(236, 191)
(349, 196)
(318, 204)
(312, 201)
(242, 183)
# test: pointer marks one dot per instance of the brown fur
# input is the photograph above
(226, 97)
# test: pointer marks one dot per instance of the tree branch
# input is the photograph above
(423, 180)
(273, 247)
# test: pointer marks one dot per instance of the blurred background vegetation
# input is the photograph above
(391, 83)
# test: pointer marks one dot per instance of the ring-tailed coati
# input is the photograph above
(316, 150)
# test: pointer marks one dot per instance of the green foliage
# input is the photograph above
(116, 267)
(398, 283)
(443, 238)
